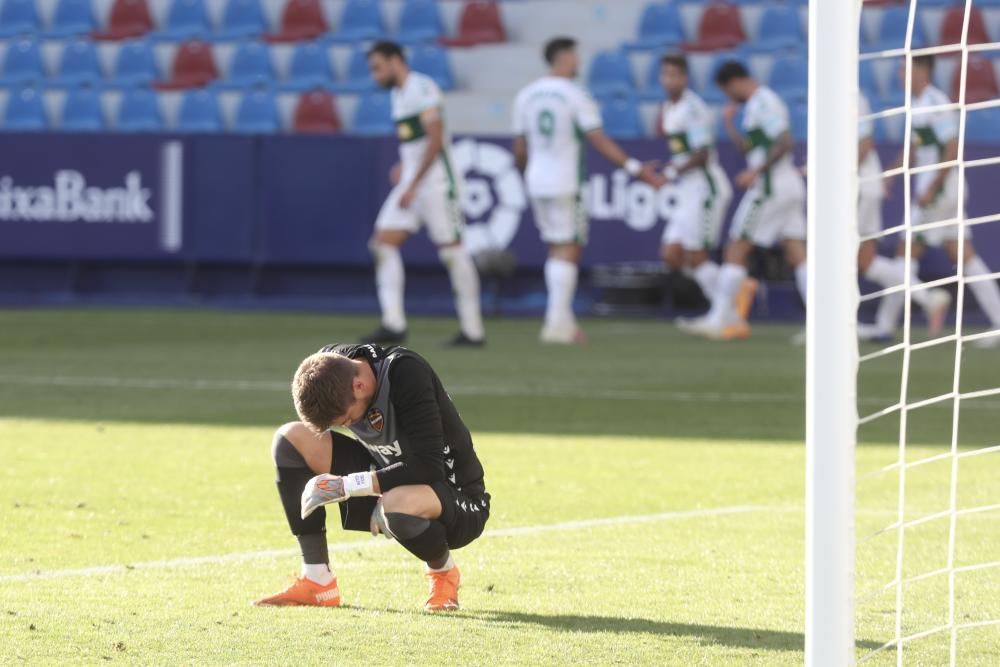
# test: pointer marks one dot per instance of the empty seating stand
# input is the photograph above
(479, 23)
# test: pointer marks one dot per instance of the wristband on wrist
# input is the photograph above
(670, 172)
(358, 484)
(632, 166)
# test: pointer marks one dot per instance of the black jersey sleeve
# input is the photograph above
(414, 401)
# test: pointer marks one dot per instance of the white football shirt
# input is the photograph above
(687, 123)
(931, 131)
(870, 184)
(765, 118)
(417, 95)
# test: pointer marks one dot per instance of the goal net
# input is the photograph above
(903, 529)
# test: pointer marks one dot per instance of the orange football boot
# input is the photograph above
(737, 331)
(304, 592)
(444, 590)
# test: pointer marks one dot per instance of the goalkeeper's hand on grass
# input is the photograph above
(325, 489)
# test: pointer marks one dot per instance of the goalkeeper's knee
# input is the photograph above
(292, 475)
(424, 538)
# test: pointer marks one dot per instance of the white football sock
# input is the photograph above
(731, 276)
(892, 272)
(465, 285)
(801, 278)
(890, 308)
(318, 572)
(706, 275)
(987, 292)
(560, 280)
(389, 282)
(447, 566)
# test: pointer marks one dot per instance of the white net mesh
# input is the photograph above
(928, 510)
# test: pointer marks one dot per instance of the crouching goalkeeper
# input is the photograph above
(411, 474)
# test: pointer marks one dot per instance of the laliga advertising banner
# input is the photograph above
(84, 197)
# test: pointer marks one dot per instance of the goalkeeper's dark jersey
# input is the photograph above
(412, 429)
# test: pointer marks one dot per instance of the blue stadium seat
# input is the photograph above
(78, 64)
(711, 92)
(186, 19)
(72, 17)
(799, 118)
(240, 18)
(309, 68)
(789, 78)
(22, 63)
(720, 125)
(983, 126)
(660, 26)
(25, 111)
(373, 115)
(257, 113)
(621, 118)
(652, 90)
(199, 112)
(780, 28)
(135, 64)
(895, 96)
(81, 111)
(361, 20)
(251, 66)
(868, 81)
(359, 79)
(892, 30)
(433, 61)
(139, 111)
(420, 21)
(610, 72)
(18, 17)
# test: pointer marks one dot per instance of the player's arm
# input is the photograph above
(949, 153)
(700, 138)
(733, 132)
(614, 154)
(865, 146)
(434, 131)
(520, 153)
(781, 146)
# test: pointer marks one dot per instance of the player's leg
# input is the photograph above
(715, 204)
(438, 207)
(392, 227)
(562, 223)
(686, 238)
(987, 292)
(723, 313)
(890, 307)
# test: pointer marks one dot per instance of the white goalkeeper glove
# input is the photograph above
(325, 489)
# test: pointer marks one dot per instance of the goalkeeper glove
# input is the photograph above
(325, 489)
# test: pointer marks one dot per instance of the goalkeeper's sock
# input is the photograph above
(441, 567)
(317, 572)
(465, 285)
(424, 538)
(706, 275)
(292, 475)
(389, 282)
(731, 276)
(986, 291)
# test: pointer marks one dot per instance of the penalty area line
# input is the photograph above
(581, 524)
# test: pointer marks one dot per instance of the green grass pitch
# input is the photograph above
(647, 500)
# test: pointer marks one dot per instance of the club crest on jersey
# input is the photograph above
(376, 419)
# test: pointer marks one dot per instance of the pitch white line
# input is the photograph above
(352, 546)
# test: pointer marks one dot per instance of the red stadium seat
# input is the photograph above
(301, 20)
(480, 23)
(980, 83)
(720, 27)
(316, 113)
(194, 67)
(951, 26)
(129, 18)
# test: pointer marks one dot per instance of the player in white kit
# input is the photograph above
(935, 141)
(427, 193)
(773, 207)
(552, 118)
(702, 188)
(887, 272)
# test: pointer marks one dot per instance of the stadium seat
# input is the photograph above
(610, 72)
(78, 64)
(18, 17)
(129, 18)
(315, 113)
(373, 115)
(660, 26)
(359, 79)
(186, 20)
(25, 111)
(433, 61)
(799, 120)
(199, 112)
(711, 92)
(309, 68)
(479, 23)
(81, 111)
(300, 20)
(194, 66)
(620, 114)
(135, 64)
(22, 64)
(71, 17)
(652, 91)
(780, 28)
(419, 21)
(868, 82)
(789, 78)
(251, 66)
(257, 113)
(983, 126)
(980, 80)
(361, 20)
(892, 30)
(240, 18)
(953, 23)
(720, 27)
(139, 111)
(895, 96)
